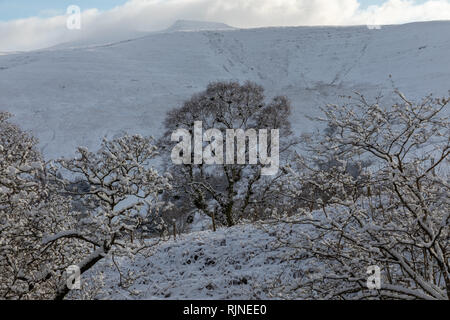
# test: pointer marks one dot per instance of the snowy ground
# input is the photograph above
(74, 96)
(242, 262)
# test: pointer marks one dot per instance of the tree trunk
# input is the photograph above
(84, 266)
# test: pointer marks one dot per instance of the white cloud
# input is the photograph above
(149, 15)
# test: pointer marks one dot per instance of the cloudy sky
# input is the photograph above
(30, 24)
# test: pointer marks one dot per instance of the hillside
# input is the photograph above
(74, 96)
(242, 262)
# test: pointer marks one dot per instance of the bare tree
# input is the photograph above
(395, 218)
(226, 192)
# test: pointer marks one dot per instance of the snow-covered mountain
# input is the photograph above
(192, 25)
(70, 96)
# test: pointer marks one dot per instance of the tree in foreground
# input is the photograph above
(393, 215)
(121, 197)
(41, 233)
(30, 210)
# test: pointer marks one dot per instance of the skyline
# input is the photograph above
(110, 20)
(23, 9)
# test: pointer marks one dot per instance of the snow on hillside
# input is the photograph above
(192, 25)
(74, 96)
(242, 262)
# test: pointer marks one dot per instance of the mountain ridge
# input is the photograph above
(196, 25)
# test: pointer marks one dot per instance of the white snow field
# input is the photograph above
(74, 95)
(242, 262)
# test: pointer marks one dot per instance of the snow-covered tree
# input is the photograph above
(122, 196)
(30, 209)
(394, 214)
(40, 232)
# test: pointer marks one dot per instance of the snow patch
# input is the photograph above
(242, 262)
